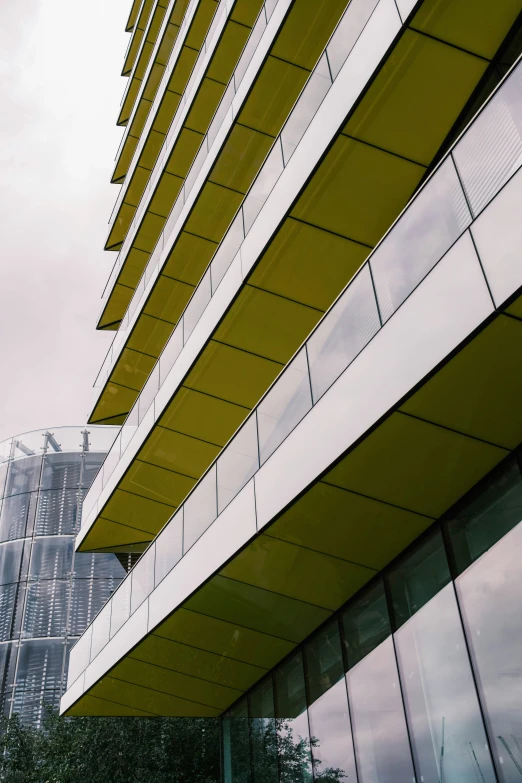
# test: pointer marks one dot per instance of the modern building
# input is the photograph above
(316, 365)
(48, 594)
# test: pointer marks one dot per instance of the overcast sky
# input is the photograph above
(60, 89)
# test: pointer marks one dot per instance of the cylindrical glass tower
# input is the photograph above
(48, 594)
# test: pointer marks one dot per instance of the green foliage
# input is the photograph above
(115, 750)
(278, 753)
(157, 750)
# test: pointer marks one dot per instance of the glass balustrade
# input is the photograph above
(336, 341)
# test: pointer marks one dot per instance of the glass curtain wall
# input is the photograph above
(417, 678)
(48, 594)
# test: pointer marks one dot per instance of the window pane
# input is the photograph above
(46, 608)
(331, 736)
(477, 525)
(490, 596)
(11, 562)
(92, 462)
(237, 464)
(284, 406)
(293, 739)
(11, 605)
(347, 328)
(23, 475)
(52, 557)
(17, 516)
(365, 623)
(426, 230)
(446, 729)
(61, 471)
(3, 471)
(40, 665)
(324, 660)
(236, 745)
(57, 512)
(32, 705)
(418, 577)
(379, 729)
(263, 734)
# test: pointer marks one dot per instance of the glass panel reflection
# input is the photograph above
(17, 516)
(426, 230)
(57, 512)
(169, 546)
(498, 235)
(237, 464)
(227, 251)
(101, 630)
(87, 599)
(46, 608)
(284, 406)
(196, 306)
(52, 557)
(120, 603)
(350, 325)
(293, 738)
(61, 470)
(490, 595)
(324, 660)
(418, 577)
(11, 562)
(484, 519)
(331, 737)
(236, 745)
(200, 509)
(142, 578)
(491, 149)
(347, 32)
(365, 623)
(448, 738)
(262, 187)
(379, 729)
(23, 476)
(263, 734)
(304, 110)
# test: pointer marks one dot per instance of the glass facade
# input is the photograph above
(48, 594)
(417, 678)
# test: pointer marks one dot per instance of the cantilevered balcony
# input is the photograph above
(405, 394)
(320, 195)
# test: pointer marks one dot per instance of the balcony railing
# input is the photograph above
(479, 166)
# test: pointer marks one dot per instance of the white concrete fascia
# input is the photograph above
(364, 58)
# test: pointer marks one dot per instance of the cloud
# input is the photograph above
(60, 91)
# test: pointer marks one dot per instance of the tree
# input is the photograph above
(267, 750)
(119, 750)
(158, 750)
